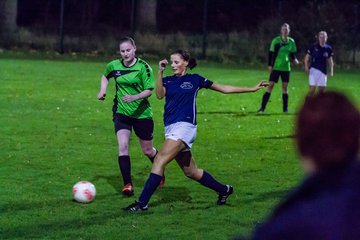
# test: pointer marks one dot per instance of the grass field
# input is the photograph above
(54, 132)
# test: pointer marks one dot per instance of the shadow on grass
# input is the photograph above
(172, 194)
(117, 183)
(245, 114)
(55, 228)
(280, 137)
(238, 114)
(265, 196)
(265, 114)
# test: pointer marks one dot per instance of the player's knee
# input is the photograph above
(123, 149)
(191, 173)
(148, 151)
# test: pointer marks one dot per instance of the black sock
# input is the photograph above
(208, 181)
(125, 168)
(265, 100)
(285, 98)
(152, 158)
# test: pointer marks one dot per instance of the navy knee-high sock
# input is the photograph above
(208, 181)
(150, 186)
(125, 168)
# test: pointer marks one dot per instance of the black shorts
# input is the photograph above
(143, 128)
(275, 74)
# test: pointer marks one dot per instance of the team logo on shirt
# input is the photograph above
(186, 85)
(326, 54)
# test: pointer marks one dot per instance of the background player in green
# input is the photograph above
(281, 50)
(134, 84)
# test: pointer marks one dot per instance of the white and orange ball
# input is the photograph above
(84, 192)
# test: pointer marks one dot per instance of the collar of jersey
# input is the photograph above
(122, 63)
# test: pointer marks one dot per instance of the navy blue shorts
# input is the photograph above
(143, 128)
(275, 74)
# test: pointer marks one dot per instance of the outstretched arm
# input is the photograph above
(226, 89)
(103, 86)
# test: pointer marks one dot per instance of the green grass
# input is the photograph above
(54, 132)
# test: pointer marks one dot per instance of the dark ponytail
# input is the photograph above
(185, 55)
(192, 63)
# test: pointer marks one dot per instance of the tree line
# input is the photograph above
(254, 18)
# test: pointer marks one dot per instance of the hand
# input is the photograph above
(162, 65)
(262, 84)
(129, 98)
(270, 69)
(296, 61)
(101, 96)
(331, 74)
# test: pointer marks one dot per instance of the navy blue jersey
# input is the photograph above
(180, 97)
(319, 56)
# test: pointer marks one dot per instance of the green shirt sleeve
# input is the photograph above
(109, 68)
(272, 45)
(148, 77)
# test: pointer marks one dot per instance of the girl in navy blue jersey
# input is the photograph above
(180, 91)
(316, 59)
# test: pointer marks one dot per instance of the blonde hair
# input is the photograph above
(323, 32)
(286, 25)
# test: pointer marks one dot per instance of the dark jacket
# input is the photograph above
(325, 206)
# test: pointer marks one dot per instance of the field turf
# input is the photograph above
(54, 132)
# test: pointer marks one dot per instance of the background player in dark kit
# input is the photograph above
(318, 56)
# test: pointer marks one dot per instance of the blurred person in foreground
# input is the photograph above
(326, 205)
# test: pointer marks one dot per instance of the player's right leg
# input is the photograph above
(167, 153)
(274, 78)
(123, 127)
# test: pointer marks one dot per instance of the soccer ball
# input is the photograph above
(84, 192)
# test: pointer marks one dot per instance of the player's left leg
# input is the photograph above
(188, 165)
(285, 96)
(266, 96)
(311, 91)
(321, 89)
(144, 129)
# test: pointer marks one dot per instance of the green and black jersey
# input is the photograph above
(131, 81)
(280, 53)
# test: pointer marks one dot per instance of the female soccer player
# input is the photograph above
(134, 84)
(180, 91)
(282, 48)
(318, 56)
